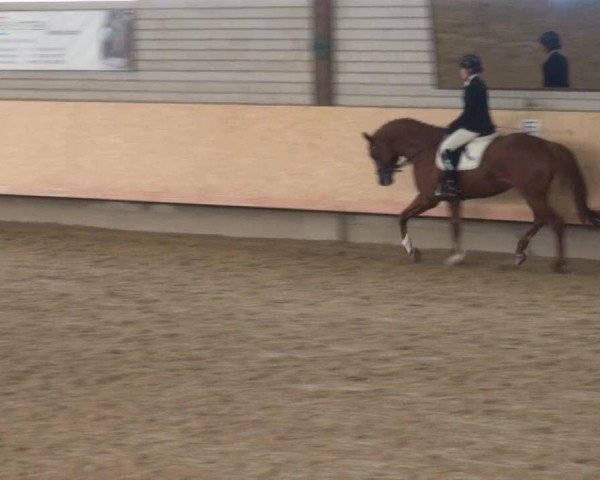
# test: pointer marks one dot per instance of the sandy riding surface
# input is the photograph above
(138, 356)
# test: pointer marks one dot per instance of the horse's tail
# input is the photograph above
(570, 169)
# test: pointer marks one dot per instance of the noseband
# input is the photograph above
(393, 168)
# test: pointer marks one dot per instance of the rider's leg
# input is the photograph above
(450, 157)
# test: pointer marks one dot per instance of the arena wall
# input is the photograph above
(305, 158)
(379, 230)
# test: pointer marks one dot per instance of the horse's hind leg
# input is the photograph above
(544, 213)
(520, 255)
(558, 225)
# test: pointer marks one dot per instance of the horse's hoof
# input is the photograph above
(416, 255)
(520, 259)
(455, 259)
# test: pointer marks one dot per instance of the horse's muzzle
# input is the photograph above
(386, 179)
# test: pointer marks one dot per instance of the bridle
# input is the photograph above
(407, 160)
(393, 168)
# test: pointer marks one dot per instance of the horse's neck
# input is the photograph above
(425, 141)
(416, 137)
(422, 145)
(424, 163)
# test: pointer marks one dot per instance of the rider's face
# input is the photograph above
(465, 73)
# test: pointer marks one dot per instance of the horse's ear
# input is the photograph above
(368, 137)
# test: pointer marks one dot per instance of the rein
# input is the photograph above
(407, 160)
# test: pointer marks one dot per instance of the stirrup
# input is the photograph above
(448, 191)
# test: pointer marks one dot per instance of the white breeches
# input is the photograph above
(457, 139)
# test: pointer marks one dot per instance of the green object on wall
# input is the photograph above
(322, 47)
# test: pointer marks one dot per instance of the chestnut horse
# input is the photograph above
(518, 160)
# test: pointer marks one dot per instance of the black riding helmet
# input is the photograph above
(550, 40)
(471, 62)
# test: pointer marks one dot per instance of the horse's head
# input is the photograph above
(385, 158)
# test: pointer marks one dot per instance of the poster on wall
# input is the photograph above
(66, 40)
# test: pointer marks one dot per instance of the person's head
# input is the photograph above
(470, 65)
(550, 41)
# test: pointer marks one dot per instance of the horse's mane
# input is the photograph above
(403, 124)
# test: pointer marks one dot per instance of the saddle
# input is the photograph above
(471, 154)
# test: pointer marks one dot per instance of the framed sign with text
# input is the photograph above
(66, 40)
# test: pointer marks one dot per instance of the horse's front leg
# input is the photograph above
(458, 253)
(417, 207)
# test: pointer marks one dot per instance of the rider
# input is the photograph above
(473, 122)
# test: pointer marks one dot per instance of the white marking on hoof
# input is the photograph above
(456, 259)
(520, 258)
(407, 244)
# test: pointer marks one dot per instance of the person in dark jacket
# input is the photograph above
(556, 66)
(474, 121)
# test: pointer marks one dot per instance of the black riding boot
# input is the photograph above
(448, 188)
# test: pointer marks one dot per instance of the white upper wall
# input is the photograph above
(260, 52)
(204, 51)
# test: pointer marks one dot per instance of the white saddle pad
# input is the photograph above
(472, 155)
